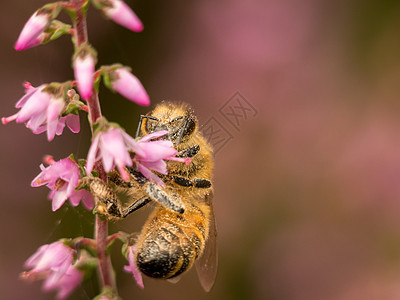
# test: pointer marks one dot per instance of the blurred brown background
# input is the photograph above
(307, 192)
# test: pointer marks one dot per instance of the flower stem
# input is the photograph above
(101, 225)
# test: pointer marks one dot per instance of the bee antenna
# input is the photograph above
(139, 125)
(183, 130)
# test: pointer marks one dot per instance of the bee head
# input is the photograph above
(177, 119)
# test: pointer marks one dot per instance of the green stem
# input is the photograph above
(101, 225)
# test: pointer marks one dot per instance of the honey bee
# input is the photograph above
(181, 230)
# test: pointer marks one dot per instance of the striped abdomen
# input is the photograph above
(170, 242)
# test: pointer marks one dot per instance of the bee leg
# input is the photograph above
(137, 176)
(189, 152)
(201, 183)
(135, 206)
(181, 181)
(169, 200)
(115, 178)
(196, 182)
(104, 194)
(141, 121)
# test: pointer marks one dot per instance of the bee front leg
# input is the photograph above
(190, 152)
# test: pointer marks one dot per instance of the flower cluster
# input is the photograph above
(52, 106)
(113, 147)
(54, 263)
(42, 110)
(62, 178)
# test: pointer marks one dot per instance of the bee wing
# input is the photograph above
(207, 263)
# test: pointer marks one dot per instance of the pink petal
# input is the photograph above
(159, 165)
(123, 172)
(35, 105)
(156, 151)
(29, 93)
(53, 113)
(154, 135)
(84, 196)
(73, 123)
(37, 123)
(60, 126)
(52, 256)
(113, 144)
(33, 260)
(39, 180)
(92, 154)
(150, 175)
(58, 199)
(132, 268)
(54, 109)
(66, 283)
(51, 129)
(87, 199)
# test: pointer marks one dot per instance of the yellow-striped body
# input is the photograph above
(170, 242)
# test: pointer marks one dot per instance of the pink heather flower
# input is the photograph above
(132, 268)
(112, 147)
(56, 257)
(150, 155)
(54, 263)
(66, 284)
(129, 86)
(123, 15)
(30, 34)
(42, 112)
(84, 69)
(62, 178)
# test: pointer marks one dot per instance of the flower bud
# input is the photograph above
(123, 15)
(28, 37)
(33, 32)
(83, 70)
(127, 84)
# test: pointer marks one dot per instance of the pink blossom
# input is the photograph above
(123, 15)
(127, 84)
(53, 262)
(62, 178)
(84, 69)
(66, 284)
(42, 111)
(132, 268)
(56, 257)
(111, 147)
(29, 36)
(151, 155)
